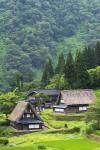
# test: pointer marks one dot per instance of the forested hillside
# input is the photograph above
(33, 30)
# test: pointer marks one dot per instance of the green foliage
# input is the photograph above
(8, 101)
(94, 113)
(41, 95)
(89, 58)
(4, 141)
(82, 77)
(70, 73)
(31, 31)
(75, 74)
(94, 75)
(5, 131)
(57, 82)
(97, 54)
(41, 147)
(47, 73)
(61, 65)
(35, 84)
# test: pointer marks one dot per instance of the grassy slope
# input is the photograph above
(61, 142)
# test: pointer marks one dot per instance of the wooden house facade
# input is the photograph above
(52, 95)
(74, 101)
(25, 117)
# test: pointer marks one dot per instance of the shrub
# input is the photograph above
(4, 122)
(7, 132)
(76, 129)
(4, 141)
(90, 128)
(41, 147)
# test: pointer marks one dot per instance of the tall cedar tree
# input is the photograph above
(82, 76)
(97, 54)
(61, 65)
(88, 58)
(47, 73)
(70, 71)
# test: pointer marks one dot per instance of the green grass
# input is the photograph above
(49, 117)
(74, 144)
(70, 142)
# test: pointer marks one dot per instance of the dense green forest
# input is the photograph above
(33, 30)
(74, 72)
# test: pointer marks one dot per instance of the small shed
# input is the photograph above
(25, 117)
(74, 101)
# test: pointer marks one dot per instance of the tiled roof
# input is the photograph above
(49, 92)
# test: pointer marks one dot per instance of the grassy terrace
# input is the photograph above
(52, 142)
(57, 121)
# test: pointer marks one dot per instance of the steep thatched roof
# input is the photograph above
(19, 110)
(75, 97)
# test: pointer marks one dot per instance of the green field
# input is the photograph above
(56, 142)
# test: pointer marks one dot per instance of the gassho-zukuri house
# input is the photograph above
(74, 101)
(25, 117)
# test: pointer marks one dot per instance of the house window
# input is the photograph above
(62, 101)
(59, 110)
(85, 108)
(82, 108)
(28, 115)
(30, 110)
(34, 126)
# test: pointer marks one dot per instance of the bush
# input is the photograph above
(7, 132)
(41, 147)
(76, 129)
(4, 141)
(90, 128)
(4, 122)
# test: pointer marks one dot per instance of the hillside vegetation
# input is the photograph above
(33, 30)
